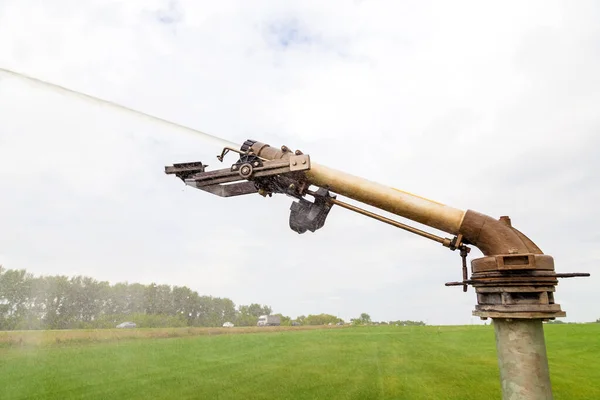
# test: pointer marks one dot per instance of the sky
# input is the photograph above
(485, 106)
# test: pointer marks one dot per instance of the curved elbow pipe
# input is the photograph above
(494, 237)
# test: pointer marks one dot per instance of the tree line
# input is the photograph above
(81, 302)
(60, 302)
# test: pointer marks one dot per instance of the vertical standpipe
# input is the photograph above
(522, 359)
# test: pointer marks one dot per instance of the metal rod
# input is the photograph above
(384, 219)
(464, 270)
(572, 274)
(226, 149)
(522, 358)
(561, 275)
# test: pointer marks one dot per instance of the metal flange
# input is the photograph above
(515, 286)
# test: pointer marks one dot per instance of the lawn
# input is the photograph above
(341, 363)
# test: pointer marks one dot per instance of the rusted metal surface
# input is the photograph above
(513, 262)
(522, 359)
(515, 286)
(494, 237)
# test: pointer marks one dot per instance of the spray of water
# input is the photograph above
(63, 90)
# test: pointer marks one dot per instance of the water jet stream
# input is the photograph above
(64, 90)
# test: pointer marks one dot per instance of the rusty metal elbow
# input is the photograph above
(494, 237)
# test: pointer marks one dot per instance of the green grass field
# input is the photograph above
(343, 363)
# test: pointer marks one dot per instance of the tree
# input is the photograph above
(285, 320)
(365, 318)
(135, 299)
(15, 293)
(257, 310)
(185, 303)
(164, 300)
(158, 299)
(87, 298)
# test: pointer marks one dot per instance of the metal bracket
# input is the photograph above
(185, 170)
(226, 150)
(257, 175)
(299, 162)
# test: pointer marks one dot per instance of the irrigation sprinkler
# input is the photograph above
(514, 281)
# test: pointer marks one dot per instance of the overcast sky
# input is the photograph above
(494, 108)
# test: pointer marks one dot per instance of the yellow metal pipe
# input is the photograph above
(404, 204)
(491, 236)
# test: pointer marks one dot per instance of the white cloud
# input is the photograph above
(492, 108)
